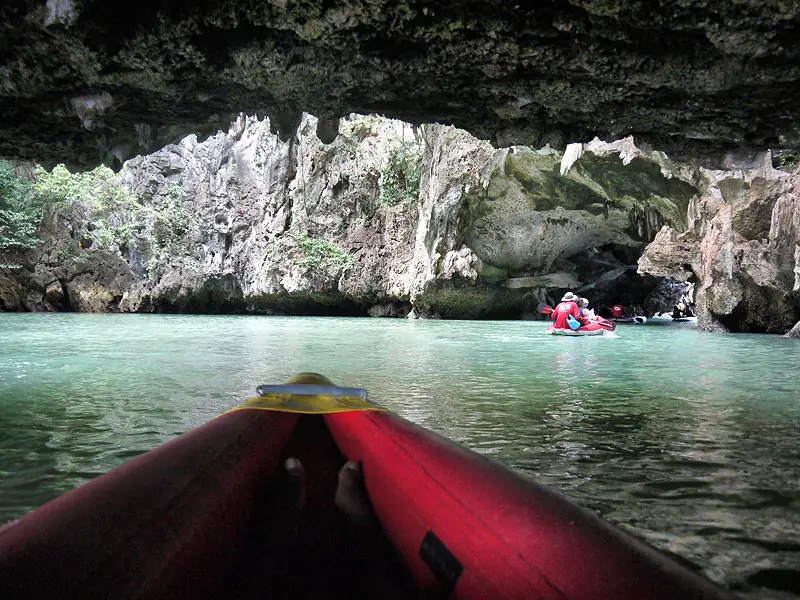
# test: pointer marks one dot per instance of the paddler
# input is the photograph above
(567, 307)
(588, 313)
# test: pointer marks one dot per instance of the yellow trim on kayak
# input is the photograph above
(310, 394)
(317, 404)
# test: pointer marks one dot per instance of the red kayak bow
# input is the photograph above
(205, 516)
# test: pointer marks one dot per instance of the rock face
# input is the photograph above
(84, 82)
(794, 332)
(274, 226)
(741, 247)
(58, 276)
(247, 222)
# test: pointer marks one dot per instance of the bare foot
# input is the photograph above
(297, 480)
(367, 566)
(351, 496)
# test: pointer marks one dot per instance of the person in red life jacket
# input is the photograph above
(567, 306)
(617, 311)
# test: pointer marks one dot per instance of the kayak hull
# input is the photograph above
(206, 515)
(165, 524)
(590, 329)
(638, 320)
(512, 537)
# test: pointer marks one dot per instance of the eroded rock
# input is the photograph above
(99, 284)
(11, 294)
(694, 78)
(277, 226)
(54, 294)
(794, 332)
(247, 222)
(741, 249)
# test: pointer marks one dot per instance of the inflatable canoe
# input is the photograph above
(207, 516)
(576, 333)
(685, 319)
(637, 319)
(591, 328)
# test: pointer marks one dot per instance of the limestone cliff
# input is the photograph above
(273, 226)
(741, 247)
(247, 222)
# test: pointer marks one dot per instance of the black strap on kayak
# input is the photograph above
(442, 563)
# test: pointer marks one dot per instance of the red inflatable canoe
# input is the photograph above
(591, 328)
(207, 515)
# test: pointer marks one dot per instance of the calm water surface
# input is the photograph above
(688, 440)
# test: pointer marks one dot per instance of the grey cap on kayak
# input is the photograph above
(569, 297)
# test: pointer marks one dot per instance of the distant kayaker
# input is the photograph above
(617, 311)
(681, 310)
(567, 307)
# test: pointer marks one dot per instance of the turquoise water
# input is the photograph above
(688, 440)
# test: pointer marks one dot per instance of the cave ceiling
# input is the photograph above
(94, 80)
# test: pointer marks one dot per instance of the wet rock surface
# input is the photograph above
(85, 82)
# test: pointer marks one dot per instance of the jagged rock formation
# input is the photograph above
(741, 247)
(292, 226)
(83, 82)
(247, 222)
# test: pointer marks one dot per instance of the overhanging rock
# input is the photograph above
(84, 82)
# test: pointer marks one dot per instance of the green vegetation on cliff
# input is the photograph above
(787, 159)
(20, 212)
(107, 204)
(166, 224)
(400, 178)
(387, 149)
(319, 253)
(108, 216)
(104, 197)
(111, 216)
(23, 203)
(169, 222)
(99, 188)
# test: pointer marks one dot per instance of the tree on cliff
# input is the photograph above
(20, 213)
